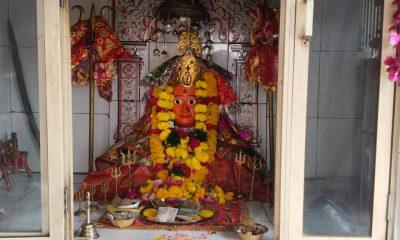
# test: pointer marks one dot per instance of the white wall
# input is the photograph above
(336, 91)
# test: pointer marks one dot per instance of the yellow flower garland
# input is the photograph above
(205, 115)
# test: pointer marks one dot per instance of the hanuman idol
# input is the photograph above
(185, 145)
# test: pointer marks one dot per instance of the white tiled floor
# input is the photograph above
(20, 209)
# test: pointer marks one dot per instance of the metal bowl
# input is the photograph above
(255, 233)
(175, 202)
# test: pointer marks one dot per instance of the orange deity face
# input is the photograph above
(184, 102)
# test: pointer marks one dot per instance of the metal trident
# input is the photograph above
(116, 173)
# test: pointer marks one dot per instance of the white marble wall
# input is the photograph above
(22, 14)
(336, 91)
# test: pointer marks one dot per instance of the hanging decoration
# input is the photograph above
(94, 55)
(393, 63)
(107, 50)
(261, 59)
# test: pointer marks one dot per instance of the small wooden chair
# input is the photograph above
(3, 167)
(13, 158)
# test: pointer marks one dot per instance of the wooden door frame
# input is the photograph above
(55, 117)
(291, 127)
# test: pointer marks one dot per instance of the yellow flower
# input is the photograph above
(164, 104)
(168, 89)
(184, 141)
(176, 178)
(229, 196)
(199, 175)
(159, 238)
(181, 153)
(201, 126)
(170, 151)
(162, 193)
(186, 194)
(146, 189)
(199, 193)
(175, 191)
(193, 163)
(166, 96)
(218, 190)
(206, 213)
(163, 125)
(200, 108)
(163, 174)
(201, 93)
(156, 92)
(150, 213)
(165, 116)
(164, 134)
(201, 84)
(202, 156)
(200, 117)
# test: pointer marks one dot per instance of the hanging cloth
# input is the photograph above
(107, 50)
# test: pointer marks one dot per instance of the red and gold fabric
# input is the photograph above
(107, 49)
(261, 59)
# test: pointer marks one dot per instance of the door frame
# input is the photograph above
(55, 117)
(291, 127)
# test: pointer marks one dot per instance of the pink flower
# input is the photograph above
(171, 182)
(158, 167)
(133, 194)
(193, 143)
(393, 68)
(153, 101)
(394, 39)
(182, 134)
(180, 168)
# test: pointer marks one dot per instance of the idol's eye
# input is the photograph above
(177, 101)
(192, 101)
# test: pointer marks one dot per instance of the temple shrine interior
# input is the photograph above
(174, 113)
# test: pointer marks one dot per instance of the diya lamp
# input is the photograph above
(88, 228)
(79, 198)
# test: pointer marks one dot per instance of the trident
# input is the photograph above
(79, 197)
(254, 165)
(116, 173)
(104, 189)
(240, 160)
(93, 206)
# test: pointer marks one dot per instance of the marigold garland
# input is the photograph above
(180, 160)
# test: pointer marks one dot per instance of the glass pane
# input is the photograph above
(22, 189)
(342, 117)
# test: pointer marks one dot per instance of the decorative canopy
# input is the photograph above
(175, 9)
